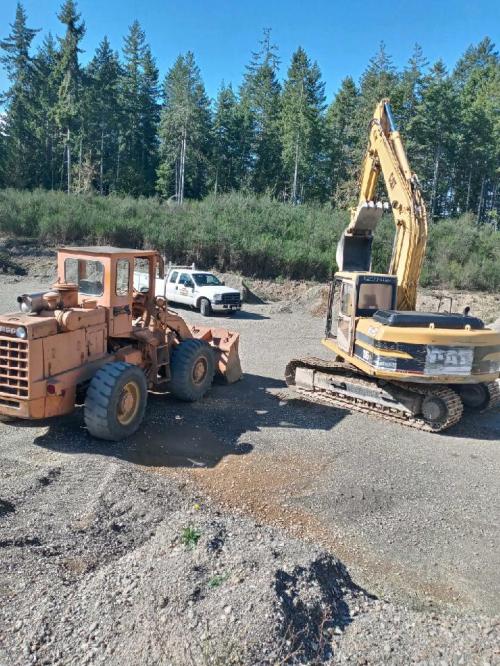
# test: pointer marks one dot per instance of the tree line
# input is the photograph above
(111, 126)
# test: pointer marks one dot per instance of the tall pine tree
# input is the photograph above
(231, 142)
(341, 142)
(19, 129)
(104, 113)
(185, 132)
(49, 153)
(476, 79)
(137, 155)
(261, 102)
(434, 127)
(302, 107)
(67, 111)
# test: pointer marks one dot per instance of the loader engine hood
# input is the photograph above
(27, 327)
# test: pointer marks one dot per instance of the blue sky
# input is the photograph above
(341, 36)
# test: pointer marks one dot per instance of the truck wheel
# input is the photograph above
(205, 307)
(193, 368)
(116, 400)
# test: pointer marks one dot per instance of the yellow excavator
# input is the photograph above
(416, 368)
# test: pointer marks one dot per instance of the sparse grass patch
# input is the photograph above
(190, 537)
(217, 580)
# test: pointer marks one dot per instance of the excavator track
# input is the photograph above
(449, 398)
(494, 391)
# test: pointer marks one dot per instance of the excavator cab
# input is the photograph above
(355, 295)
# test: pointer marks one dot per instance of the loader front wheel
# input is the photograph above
(116, 401)
(193, 369)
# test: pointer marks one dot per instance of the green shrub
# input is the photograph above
(256, 236)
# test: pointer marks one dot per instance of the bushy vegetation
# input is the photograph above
(257, 236)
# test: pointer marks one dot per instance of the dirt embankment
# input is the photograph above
(314, 297)
(25, 257)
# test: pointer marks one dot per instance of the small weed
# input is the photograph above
(190, 537)
(217, 580)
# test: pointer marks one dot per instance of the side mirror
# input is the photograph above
(223, 283)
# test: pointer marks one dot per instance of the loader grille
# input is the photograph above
(13, 368)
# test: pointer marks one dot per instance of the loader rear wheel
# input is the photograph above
(116, 401)
(193, 369)
(205, 307)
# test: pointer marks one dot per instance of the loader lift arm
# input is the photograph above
(386, 155)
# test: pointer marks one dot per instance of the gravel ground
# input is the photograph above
(249, 530)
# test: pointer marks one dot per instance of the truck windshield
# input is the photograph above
(206, 280)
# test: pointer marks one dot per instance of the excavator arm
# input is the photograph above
(385, 154)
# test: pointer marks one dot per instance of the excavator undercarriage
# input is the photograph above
(426, 407)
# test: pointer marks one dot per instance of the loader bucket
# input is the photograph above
(225, 345)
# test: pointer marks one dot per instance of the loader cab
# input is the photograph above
(105, 278)
(355, 295)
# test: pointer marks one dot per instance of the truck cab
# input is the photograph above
(201, 290)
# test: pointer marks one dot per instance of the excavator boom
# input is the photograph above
(385, 155)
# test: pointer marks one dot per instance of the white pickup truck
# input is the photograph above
(200, 289)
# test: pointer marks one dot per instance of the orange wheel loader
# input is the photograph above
(93, 338)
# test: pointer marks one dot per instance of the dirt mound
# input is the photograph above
(27, 257)
(484, 305)
(157, 576)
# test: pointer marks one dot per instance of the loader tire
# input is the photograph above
(205, 307)
(193, 369)
(116, 401)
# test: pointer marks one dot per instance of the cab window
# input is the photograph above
(206, 280)
(122, 277)
(375, 296)
(346, 301)
(186, 280)
(173, 277)
(88, 274)
(141, 265)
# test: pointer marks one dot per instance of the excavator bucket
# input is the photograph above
(225, 344)
(354, 249)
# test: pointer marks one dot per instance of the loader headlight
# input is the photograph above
(21, 333)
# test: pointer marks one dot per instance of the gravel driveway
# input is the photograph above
(411, 517)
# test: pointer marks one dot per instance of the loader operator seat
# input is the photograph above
(138, 303)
